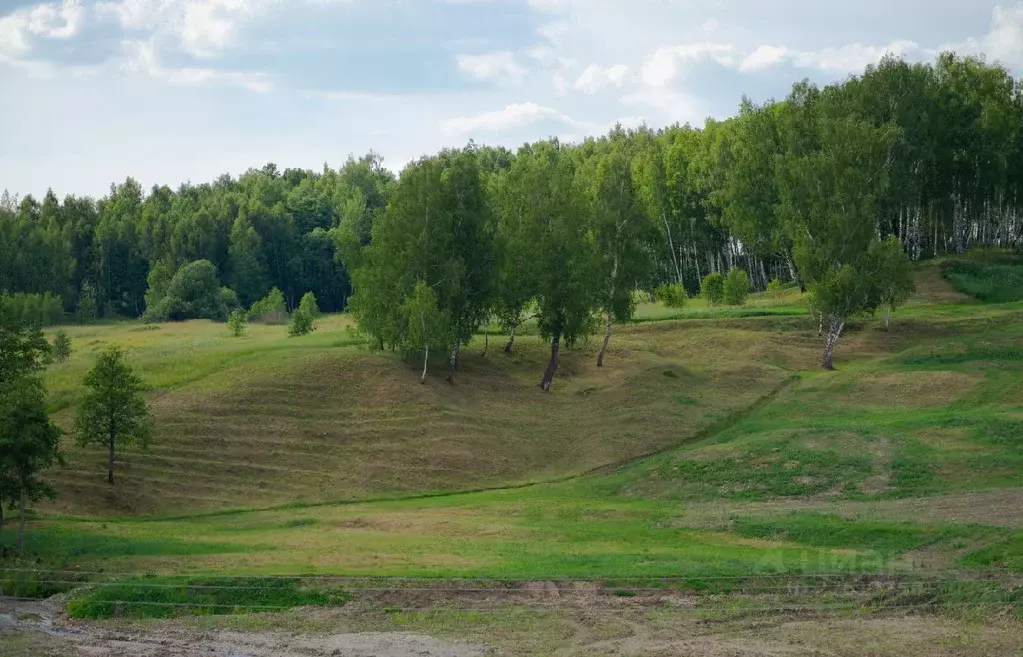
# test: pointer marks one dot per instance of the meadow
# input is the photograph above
(711, 449)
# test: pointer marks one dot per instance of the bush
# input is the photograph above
(270, 309)
(308, 304)
(736, 287)
(301, 323)
(236, 322)
(774, 287)
(61, 346)
(712, 288)
(229, 299)
(673, 295)
(193, 293)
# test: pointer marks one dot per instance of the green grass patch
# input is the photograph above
(971, 354)
(992, 282)
(1007, 554)
(170, 597)
(832, 531)
(69, 542)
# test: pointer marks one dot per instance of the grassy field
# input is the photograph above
(711, 448)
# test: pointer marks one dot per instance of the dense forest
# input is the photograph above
(814, 189)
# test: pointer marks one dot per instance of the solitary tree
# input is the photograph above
(736, 287)
(309, 305)
(894, 277)
(61, 348)
(113, 412)
(29, 444)
(236, 322)
(712, 288)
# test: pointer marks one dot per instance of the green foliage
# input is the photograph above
(229, 300)
(170, 597)
(988, 281)
(192, 293)
(302, 323)
(775, 287)
(35, 309)
(113, 411)
(712, 288)
(1007, 554)
(308, 304)
(736, 287)
(61, 348)
(270, 308)
(672, 295)
(87, 305)
(438, 229)
(236, 321)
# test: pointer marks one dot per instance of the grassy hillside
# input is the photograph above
(907, 458)
(267, 419)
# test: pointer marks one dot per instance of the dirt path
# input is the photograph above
(36, 628)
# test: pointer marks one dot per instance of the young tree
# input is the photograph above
(270, 307)
(893, 277)
(29, 444)
(61, 348)
(736, 287)
(236, 322)
(712, 288)
(621, 235)
(301, 323)
(308, 304)
(425, 323)
(113, 411)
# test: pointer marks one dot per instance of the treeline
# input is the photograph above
(262, 230)
(825, 189)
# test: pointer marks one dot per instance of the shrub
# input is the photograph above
(301, 323)
(87, 305)
(774, 287)
(712, 288)
(673, 295)
(193, 293)
(270, 309)
(736, 287)
(229, 300)
(308, 304)
(61, 346)
(236, 322)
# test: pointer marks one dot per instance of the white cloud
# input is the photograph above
(673, 105)
(495, 65)
(1003, 41)
(202, 28)
(850, 58)
(512, 116)
(662, 67)
(597, 78)
(764, 57)
(56, 21)
(49, 20)
(141, 58)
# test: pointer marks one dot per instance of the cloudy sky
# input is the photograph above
(174, 90)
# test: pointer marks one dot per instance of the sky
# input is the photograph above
(169, 91)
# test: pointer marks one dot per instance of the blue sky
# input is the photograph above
(174, 90)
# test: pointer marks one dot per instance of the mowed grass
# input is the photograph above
(707, 450)
(266, 419)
